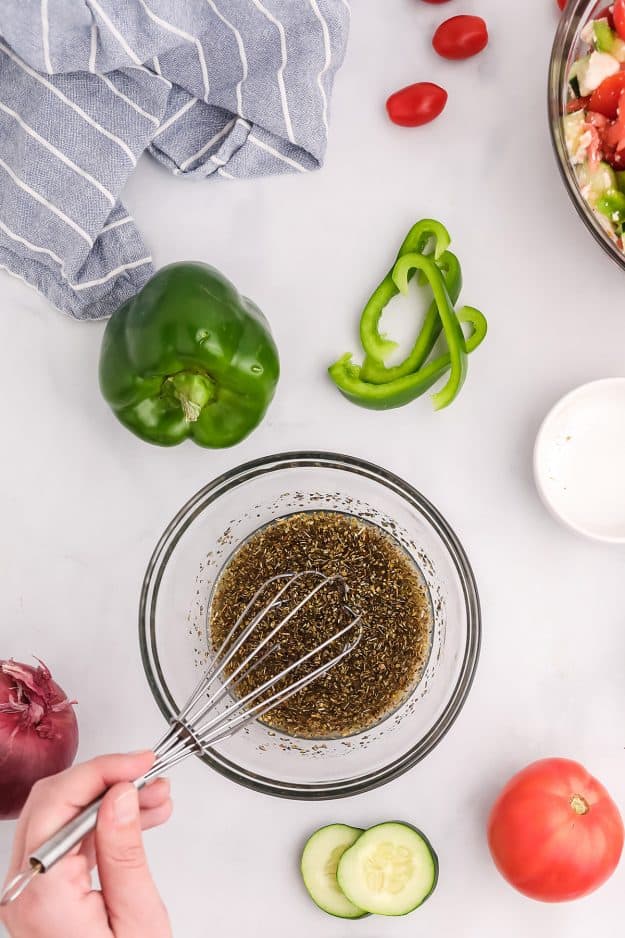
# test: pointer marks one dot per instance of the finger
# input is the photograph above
(55, 800)
(132, 900)
(154, 817)
(63, 887)
(150, 817)
(154, 794)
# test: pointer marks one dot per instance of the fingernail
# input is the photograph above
(126, 807)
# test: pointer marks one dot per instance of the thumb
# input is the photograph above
(134, 906)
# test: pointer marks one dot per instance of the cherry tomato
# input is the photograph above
(618, 14)
(417, 104)
(577, 104)
(554, 832)
(605, 98)
(614, 134)
(461, 37)
(607, 14)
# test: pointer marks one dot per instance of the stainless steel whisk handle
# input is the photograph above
(58, 846)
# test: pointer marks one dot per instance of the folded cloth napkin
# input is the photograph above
(229, 88)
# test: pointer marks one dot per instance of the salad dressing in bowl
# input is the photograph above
(384, 587)
(205, 536)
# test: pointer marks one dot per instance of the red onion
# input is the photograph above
(38, 731)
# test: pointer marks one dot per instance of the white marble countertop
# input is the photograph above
(83, 502)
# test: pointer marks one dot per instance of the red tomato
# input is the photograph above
(554, 832)
(618, 14)
(607, 14)
(577, 104)
(614, 135)
(461, 37)
(417, 104)
(606, 97)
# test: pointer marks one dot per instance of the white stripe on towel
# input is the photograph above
(89, 120)
(326, 64)
(117, 224)
(129, 101)
(211, 143)
(174, 117)
(183, 35)
(86, 285)
(242, 55)
(30, 245)
(133, 55)
(59, 155)
(43, 201)
(274, 152)
(93, 46)
(112, 273)
(45, 35)
(280, 74)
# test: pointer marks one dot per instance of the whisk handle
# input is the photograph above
(58, 846)
(65, 839)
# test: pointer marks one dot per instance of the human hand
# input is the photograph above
(62, 903)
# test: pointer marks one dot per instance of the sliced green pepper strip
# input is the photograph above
(451, 324)
(347, 376)
(376, 372)
(376, 346)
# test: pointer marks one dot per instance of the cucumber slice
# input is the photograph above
(574, 126)
(573, 82)
(579, 65)
(320, 859)
(390, 870)
(595, 183)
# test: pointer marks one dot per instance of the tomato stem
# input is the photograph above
(579, 804)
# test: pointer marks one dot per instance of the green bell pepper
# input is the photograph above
(188, 357)
(377, 346)
(376, 372)
(612, 205)
(400, 391)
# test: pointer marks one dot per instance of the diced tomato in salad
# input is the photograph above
(594, 122)
(605, 99)
(607, 14)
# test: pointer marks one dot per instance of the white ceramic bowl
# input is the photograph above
(579, 460)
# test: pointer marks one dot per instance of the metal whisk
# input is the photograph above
(198, 725)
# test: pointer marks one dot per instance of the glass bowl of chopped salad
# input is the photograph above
(587, 115)
(345, 516)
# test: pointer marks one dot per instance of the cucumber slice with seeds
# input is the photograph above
(390, 870)
(320, 859)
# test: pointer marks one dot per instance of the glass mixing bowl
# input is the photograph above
(565, 51)
(177, 592)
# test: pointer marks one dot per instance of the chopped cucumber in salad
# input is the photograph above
(594, 125)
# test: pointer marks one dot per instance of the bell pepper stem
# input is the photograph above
(192, 390)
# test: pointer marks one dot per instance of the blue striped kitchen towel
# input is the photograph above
(230, 88)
